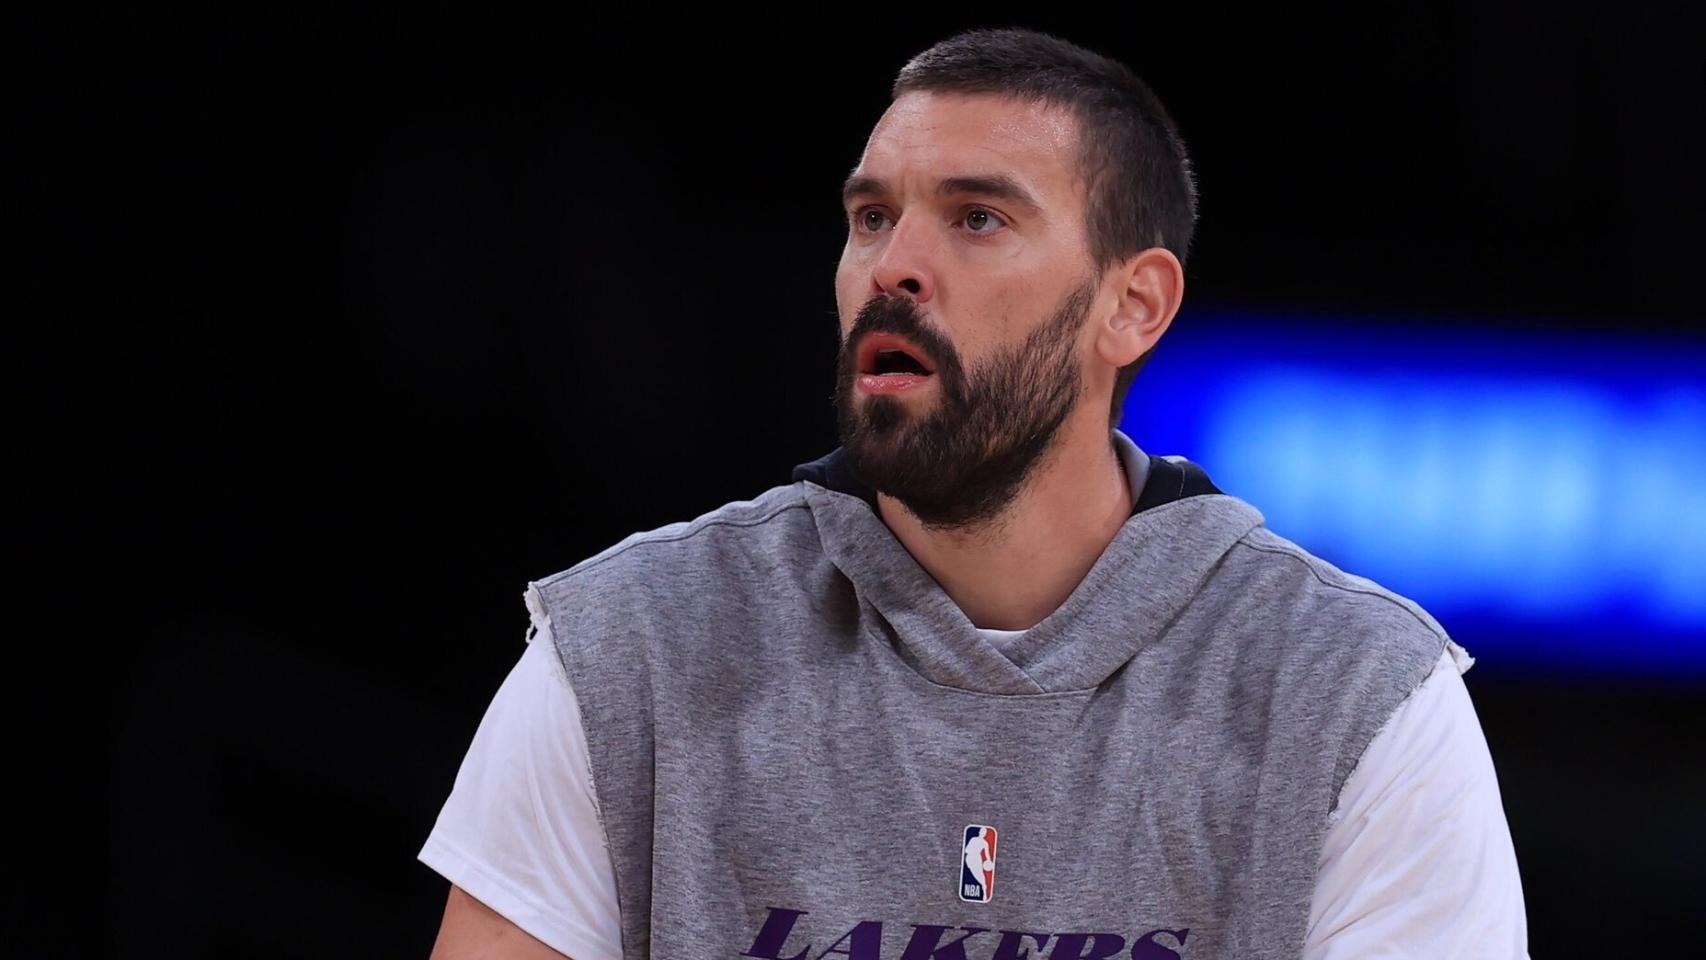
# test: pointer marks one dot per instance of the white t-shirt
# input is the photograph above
(1417, 860)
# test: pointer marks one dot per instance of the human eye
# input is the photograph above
(862, 219)
(979, 215)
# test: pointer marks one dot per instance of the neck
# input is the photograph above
(1015, 569)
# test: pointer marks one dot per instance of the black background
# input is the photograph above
(335, 329)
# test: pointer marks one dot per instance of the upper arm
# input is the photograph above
(473, 931)
(1418, 854)
(520, 836)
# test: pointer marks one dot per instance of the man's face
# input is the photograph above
(986, 282)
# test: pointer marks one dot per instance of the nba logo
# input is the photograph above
(977, 864)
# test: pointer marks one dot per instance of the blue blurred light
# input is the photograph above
(1539, 493)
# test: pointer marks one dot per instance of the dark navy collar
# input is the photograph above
(831, 472)
(1169, 479)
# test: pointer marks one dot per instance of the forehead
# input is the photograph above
(927, 137)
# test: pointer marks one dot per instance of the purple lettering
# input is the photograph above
(774, 934)
(1147, 949)
(923, 944)
(1009, 948)
(867, 942)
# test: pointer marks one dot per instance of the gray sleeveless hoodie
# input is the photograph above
(797, 738)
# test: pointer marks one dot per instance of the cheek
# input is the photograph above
(847, 267)
(1001, 319)
(847, 300)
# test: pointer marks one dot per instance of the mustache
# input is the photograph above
(885, 314)
(900, 315)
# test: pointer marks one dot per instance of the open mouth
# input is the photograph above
(890, 355)
(889, 363)
(898, 361)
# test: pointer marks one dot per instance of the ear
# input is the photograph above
(1151, 286)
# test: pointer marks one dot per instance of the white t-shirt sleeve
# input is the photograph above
(520, 830)
(1418, 860)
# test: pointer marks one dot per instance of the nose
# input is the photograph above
(904, 267)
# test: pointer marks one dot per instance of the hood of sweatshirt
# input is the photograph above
(1161, 557)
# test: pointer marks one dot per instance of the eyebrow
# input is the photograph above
(997, 186)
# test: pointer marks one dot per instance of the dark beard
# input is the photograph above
(961, 463)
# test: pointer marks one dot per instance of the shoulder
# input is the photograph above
(1344, 639)
(672, 584)
(773, 522)
(1322, 598)
(1340, 643)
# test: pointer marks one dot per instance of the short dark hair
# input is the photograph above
(1140, 189)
